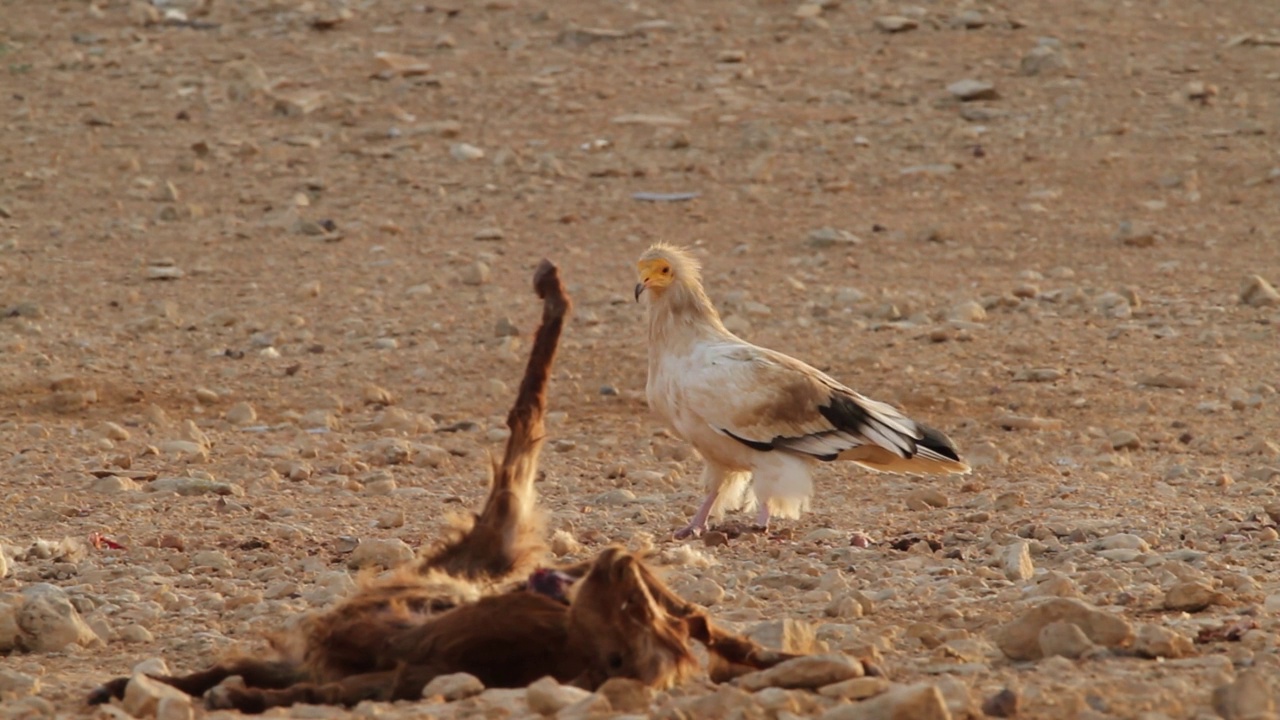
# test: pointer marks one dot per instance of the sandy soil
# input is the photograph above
(254, 250)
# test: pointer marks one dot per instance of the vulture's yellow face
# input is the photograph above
(656, 274)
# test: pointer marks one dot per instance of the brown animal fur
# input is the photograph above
(460, 610)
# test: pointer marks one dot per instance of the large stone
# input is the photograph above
(1065, 639)
(1248, 698)
(380, 553)
(1191, 597)
(904, 702)
(1157, 641)
(143, 695)
(48, 622)
(548, 697)
(1020, 639)
(1257, 292)
(787, 635)
(808, 672)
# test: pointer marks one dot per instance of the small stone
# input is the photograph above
(830, 237)
(112, 485)
(1003, 704)
(1156, 641)
(505, 328)
(465, 152)
(895, 24)
(1017, 563)
(788, 635)
(476, 273)
(1257, 292)
(1136, 235)
(619, 496)
(373, 394)
(926, 499)
(922, 701)
(14, 685)
(242, 413)
(562, 543)
(142, 696)
(971, 90)
(114, 431)
(704, 591)
(456, 686)
(205, 396)
(192, 486)
(392, 65)
(1124, 440)
(808, 673)
(1020, 639)
(856, 689)
(626, 695)
(490, 234)
(381, 553)
(1064, 639)
(1248, 698)
(136, 634)
(969, 20)
(548, 697)
(1192, 597)
(215, 559)
(1042, 60)
(164, 273)
(970, 311)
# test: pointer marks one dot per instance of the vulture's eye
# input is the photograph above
(614, 661)
(666, 271)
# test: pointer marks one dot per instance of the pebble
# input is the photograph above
(489, 234)
(1061, 638)
(1124, 440)
(383, 553)
(466, 152)
(476, 273)
(808, 673)
(14, 684)
(114, 431)
(1003, 704)
(704, 591)
(1017, 562)
(190, 486)
(926, 498)
(1156, 641)
(970, 90)
(242, 413)
(895, 24)
(112, 485)
(548, 697)
(455, 686)
(1192, 597)
(1020, 639)
(859, 688)
(827, 237)
(1042, 60)
(1257, 292)
(135, 633)
(215, 559)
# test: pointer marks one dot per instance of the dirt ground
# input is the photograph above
(283, 249)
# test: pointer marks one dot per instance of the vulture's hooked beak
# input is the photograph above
(640, 287)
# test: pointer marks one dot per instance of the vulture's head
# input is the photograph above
(662, 266)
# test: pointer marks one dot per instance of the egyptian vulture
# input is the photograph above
(759, 418)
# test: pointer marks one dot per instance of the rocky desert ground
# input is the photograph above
(265, 296)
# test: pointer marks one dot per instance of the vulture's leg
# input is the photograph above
(698, 524)
(762, 517)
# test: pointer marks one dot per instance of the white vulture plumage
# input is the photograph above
(759, 418)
